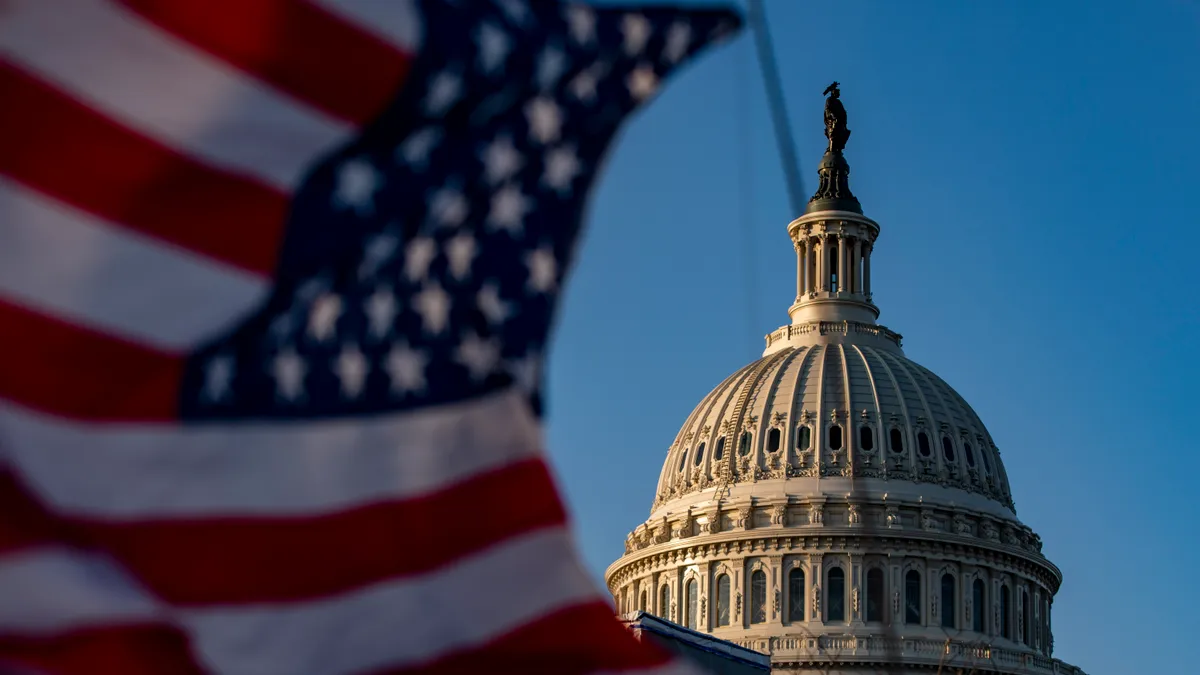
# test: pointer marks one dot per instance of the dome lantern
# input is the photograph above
(833, 239)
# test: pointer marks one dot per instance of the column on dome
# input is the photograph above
(856, 266)
(800, 255)
(821, 254)
(775, 562)
(843, 255)
(857, 595)
(845, 275)
(867, 269)
(815, 612)
(813, 254)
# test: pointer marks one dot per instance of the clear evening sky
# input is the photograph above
(1033, 167)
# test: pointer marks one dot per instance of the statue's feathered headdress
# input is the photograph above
(830, 88)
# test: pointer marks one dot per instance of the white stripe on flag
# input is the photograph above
(48, 590)
(401, 622)
(396, 21)
(142, 77)
(292, 467)
(66, 263)
(389, 624)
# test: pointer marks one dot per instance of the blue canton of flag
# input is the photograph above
(423, 260)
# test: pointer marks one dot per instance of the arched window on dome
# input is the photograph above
(948, 611)
(699, 455)
(835, 589)
(796, 593)
(947, 448)
(896, 439)
(912, 597)
(758, 597)
(874, 595)
(835, 437)
(693, 604)
(664, 602)
(774, 438)
(968, 454)
(923, 444)
(987, 463)
(744, 445)
(803, 437)
(866, 438)
(978, 603)
(682, 460)
(723, 600)
(642, 602)
(719, 453)
(1005, 613)
(1025, 611)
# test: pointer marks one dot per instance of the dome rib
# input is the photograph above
(906, 428)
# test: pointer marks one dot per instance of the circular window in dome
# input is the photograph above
(835, 437)
(987, 464)
(923, 444)
(719, 453)
(700, 455)
(969, 455)
(682, 461)
(897, 441)
(947, 448)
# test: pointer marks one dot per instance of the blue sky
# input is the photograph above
(1033, 166)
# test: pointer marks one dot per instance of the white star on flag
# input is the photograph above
(380, 308)
(444, 91)
(406, 369)
(478, 355)
(289, 370)
(433, 304)
(562, 166)
(323, 317)
(508, 209)
(417, 257)
(501, 159)
(351, 369)
(357, 183)
(543, 269)
(545, 120)
(460, 251)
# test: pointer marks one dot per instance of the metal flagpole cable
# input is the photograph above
(783, 133)
(745, 141)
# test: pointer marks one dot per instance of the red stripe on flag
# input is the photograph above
(573, 641)
(128, 650)
(61, 147)
(252, 560)
(301, 49)
(67, 370)
(25, 522)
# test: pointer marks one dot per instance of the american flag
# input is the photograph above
(276, 278)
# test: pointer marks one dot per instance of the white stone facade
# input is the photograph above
(840, 507)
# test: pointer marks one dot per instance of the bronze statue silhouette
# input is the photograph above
(835, 119)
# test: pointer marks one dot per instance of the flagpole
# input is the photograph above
(783, 132)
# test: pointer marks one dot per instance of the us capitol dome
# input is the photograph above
(837, 505)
